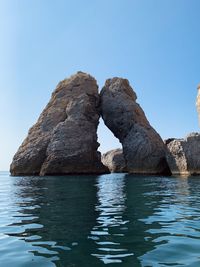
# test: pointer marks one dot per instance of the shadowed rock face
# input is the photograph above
(64, 139)
(183, 155)
(114, 160)
(143, 148)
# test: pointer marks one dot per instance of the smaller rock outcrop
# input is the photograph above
(183, 155)
(114, 160)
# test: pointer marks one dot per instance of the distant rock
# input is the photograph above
(183, 155)
(64, 139)
(143, 148)
(114, 160)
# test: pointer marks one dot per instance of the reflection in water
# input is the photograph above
(111, 226)
(174, 225)
(47, 221)
(116, 219)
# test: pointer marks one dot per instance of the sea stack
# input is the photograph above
(144, 151)
(64, 139)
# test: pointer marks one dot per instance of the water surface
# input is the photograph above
(108, 220)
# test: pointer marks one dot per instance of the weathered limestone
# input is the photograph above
(64, 139)
(143, 148)
(114, 160)
(198, 102)
(183, 155)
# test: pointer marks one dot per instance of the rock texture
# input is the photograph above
(143, 148)
(184, 155)
(198, 102)
(64, 139)
(114, 160)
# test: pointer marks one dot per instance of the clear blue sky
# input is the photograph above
(153, 43)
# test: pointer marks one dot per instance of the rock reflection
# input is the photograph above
(110, 225)
(52, 220)
(86, 221)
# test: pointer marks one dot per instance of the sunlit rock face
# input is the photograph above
(183, 155)
(114, 160)
(144, 151)
(64, 139)
(198, 102)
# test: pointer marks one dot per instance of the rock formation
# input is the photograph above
(198, 102)
(183, 155)
(143, 148)
(114, 160)
(64, 139)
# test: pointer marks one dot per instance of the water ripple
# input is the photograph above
(114, 219)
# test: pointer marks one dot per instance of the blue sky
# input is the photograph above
(153, 43)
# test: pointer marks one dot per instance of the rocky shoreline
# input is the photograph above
(64, 139)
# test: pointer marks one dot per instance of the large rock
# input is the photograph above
(143, 148)
(114, 160)
(184, 155)
(64, 139)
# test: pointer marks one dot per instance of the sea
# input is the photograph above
(105, 220)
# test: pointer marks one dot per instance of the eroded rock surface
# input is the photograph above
(64, 139)
(114, 160)
(143, 148)
(184, 155)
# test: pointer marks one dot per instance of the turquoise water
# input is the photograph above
(107, 220)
